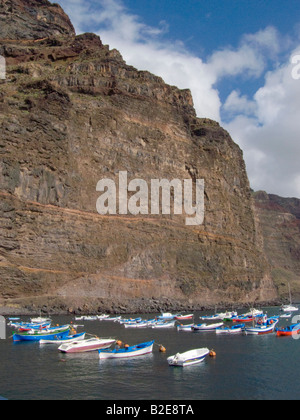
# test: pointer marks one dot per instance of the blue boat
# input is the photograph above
(235, 329)
(127, 352)
(50, 334)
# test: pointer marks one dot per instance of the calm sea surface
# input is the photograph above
(246, 367)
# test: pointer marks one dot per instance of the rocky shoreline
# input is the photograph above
(140, 306)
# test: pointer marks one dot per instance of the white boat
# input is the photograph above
(207, 327)
(221, 315)
(290, 307)
(101, 317)
(40, 320)
(130, 320)
(141, 324)
(188, 358)
(83, 346)
(286, 315)
(127, 352)
(68, 339)
(253, 312)
(184, 327)
(114, 318)
(163, 324)
(166, 316)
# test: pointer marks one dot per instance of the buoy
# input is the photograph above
(162, 349)
(212, 353)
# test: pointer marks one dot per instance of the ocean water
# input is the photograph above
(245, 367)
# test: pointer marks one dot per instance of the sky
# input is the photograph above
(240, 58)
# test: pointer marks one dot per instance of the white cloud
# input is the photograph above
(270, 137)
(265, 126)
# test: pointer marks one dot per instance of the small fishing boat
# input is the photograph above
(289, 308)
(207, 327)
(184, 327)
(188, 358)
(83, 346)
(127, 351)
(183, 317)
(103, 316)
(220, 316)
(139, 324)
(243, 318)
(26, 326)
(64, 340)
(49, 334)
(158, 324)
(113, 318)
(235, 329)
(166, 316)
(291, 330)
(40, 320)
(215, 317)
(130, 320)
(286, 315)
(263, 326)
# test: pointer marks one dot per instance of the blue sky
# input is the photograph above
(234, 55)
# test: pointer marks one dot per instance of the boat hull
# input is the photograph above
(86, 346)
(67, 339)
(38, 337)
(133, 351)
(230, 331)
(188, 358)
(291, 331)
(205, 327)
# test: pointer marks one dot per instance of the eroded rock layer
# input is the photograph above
(73, 112)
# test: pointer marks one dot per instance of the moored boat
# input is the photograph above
(49, 334)
(83, 346)
(166, 316)
(184, 327)
(188, 358)
(263, 326)
(246, 318)
(290, 331)
(159, 324)
(235, 329)
(289, 308)
(183, 317)
(139, 324)
(64, 340)
(127, 351)
(207, 327)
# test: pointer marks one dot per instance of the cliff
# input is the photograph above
(72, 113)
(279, 220)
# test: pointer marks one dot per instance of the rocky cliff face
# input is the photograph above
(33, 19)
(72, 113)
(279, 220)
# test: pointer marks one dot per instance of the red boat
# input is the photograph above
(182, 317)
(292, 330)
(243, 319)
